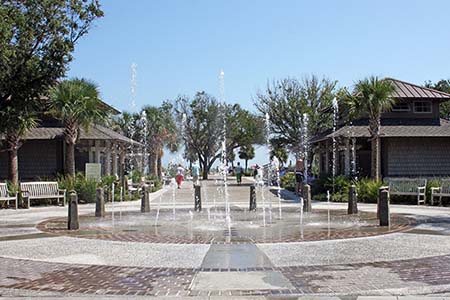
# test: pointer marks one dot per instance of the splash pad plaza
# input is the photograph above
(275, 250)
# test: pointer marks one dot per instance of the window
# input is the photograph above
(422, 107)
(403, 106)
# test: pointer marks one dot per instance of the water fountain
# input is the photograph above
(144, 124)
(269, 165)
(224, 162)
(335, 116)
(131, 126)
(328, 211)
(305, 122)
(159, 205)
(276, 170)
(173, 185)
(112, 201)
(181, 225)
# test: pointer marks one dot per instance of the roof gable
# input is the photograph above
(404, 89)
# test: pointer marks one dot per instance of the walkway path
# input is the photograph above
(36, 263)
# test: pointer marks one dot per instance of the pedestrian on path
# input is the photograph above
(180, 176)
(195, 173)
(299, 175)
(238, 171)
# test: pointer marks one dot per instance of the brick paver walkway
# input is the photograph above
(398, 277)
(378, 277)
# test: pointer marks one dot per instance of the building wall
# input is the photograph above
(411, 114)
(38, 159)
(416, 157)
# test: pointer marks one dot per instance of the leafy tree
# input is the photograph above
(372, 97)
(247, 152)
(203, 128)
(36, 41)
(243, 128)
(76, 103)
(279, 151)
(442, 85)
(288, 99)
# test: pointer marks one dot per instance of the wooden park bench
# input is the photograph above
(5, 195)
(42, 190)
(442, 191)
(408, 187)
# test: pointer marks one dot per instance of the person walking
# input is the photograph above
(299, 175)
(180, 175)
(238, 171)
(195, 173)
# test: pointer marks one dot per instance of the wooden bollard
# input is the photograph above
(352, 200)
(73, 222)
(383, 208)
(197, 198)
(145, 201)
(307, 206)
(100, 203)
(252, 206)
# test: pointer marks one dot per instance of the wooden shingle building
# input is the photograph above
(42, 154)
(415, 141)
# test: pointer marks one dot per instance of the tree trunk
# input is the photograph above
(70, 159)
(70, 137)
(153, 168)
(205, 171)
(376, 159)
(159, 166)
(246, 165)
(13, 164)
(374, 128)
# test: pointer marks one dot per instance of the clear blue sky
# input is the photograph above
(181, 45)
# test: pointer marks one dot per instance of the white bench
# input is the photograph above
(5, 194)
(133, 187)
(442, 191)
(408, 187)
(42, 190)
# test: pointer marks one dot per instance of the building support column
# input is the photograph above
(97, 153)
(91, 153)
(114, 160)
(108, 158)
(122, 152)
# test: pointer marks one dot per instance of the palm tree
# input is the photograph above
(372, 96)
(161, 133)
(14, 124)
(76, 103)
(247, 153)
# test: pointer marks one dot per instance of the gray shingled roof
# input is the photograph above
(96, 132)
(409, 90)
(438, 130)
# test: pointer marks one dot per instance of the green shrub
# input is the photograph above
(248, 173)
(340, 186)
(435, 182)
(367, 190)
(85, 188)
(136, 176)
(318, 186)
(287, 181)
(156, 181)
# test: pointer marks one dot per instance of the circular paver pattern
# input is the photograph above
(210, 227)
